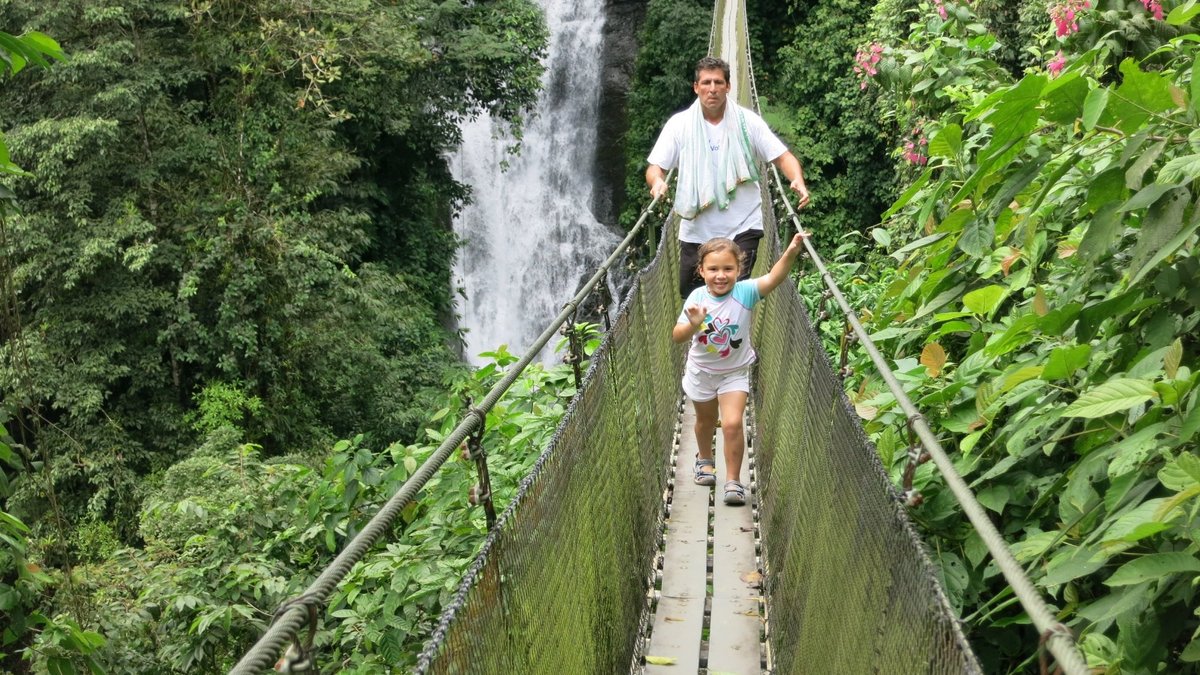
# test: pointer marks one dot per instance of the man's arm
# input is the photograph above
(790, 167)
(656, 178)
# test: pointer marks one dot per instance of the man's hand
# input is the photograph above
(658, 189)
(800, 189)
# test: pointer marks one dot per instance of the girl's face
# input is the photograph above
(719, 270)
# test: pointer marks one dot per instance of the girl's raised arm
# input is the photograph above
(779, 271)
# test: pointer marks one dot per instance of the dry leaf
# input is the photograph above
(1178, 96)
(753, 578)
(662, 660)
(1008, 261)
(1173, 358)
(673, 618)
(1040, 306)
(933, 357)
(866, 412)
(1066, 250)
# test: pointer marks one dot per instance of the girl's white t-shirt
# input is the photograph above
(723, 341)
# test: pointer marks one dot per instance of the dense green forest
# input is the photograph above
(227, 312)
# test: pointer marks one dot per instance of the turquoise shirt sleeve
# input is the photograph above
(746, 292)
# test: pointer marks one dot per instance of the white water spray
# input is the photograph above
(529, 235)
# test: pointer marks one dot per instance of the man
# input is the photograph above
(717, 146)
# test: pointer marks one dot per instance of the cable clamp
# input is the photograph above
(1055, 630)
(299, 657)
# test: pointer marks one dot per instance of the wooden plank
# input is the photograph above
(734, 642)
(679, 616)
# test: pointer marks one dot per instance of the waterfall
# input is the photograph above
(529, 237)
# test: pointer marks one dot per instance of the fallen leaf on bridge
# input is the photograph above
(662, 660)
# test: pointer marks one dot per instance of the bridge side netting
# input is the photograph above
(849, 587)
(560, 584)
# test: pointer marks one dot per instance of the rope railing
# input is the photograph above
(294, 613)
(1057, 637)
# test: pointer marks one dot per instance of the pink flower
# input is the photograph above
(865, 62)
(914, 150)
(1063, 14)
(1154, 7)
(1056, 64)
(941, 9)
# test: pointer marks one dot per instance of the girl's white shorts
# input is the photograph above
(700, 385)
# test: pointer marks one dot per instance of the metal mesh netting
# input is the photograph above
(560, 584)
(849, 585)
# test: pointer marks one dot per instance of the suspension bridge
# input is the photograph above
(610, 559)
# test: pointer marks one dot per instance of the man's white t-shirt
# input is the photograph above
(743, 213)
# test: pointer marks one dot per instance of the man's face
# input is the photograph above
(712, 88)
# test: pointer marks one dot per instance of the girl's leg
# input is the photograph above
(732, 407)
(706, 422)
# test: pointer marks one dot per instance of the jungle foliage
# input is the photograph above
(231, 233)
(225, 247)
(1034, 286)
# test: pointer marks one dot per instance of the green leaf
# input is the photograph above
(1093, 107)
(1107, 187)
(1181, 472)
(995, 497)
(1153, 566)
(1167, 249)
(1064, 361)
(1139, 523)
(1190, 423)
(947, 143)
(1137, 170)
(977, 237)
(1129, 453)
(1063, 99)
(1071, 564)
(662, 660)
(1191, 653)
(1183, 14)
(899, 253)
(1015, 117)
(1161, 224)
(1147, 196)
(1180, 170)
(908, 194)
(1140, 95)
(983, 301)
(1111, 396)
(1017, 181)
(1194, 99)
(1101, 233)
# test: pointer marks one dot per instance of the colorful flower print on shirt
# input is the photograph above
(717, 336)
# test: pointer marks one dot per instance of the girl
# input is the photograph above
(716, 318)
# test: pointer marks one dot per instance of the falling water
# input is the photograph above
(529, 237)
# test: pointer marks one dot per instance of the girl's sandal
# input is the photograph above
(706, 472)
(735, 493)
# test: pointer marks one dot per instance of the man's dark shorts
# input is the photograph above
(689, 278)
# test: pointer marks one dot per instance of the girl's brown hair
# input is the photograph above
(719, 245)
